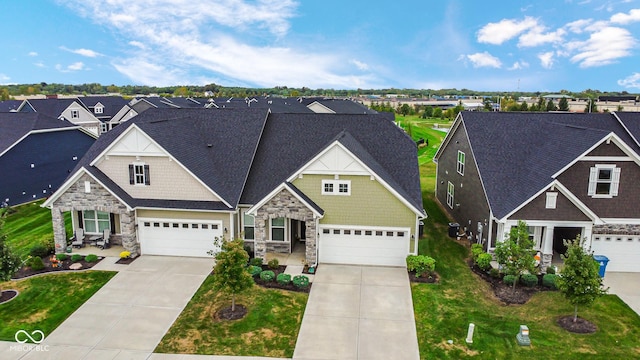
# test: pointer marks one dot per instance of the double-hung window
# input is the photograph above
(450, 194)
(249, 227)
(95, 221)
(460, 166)
(139, 174)
(604, 180)
(277, 229)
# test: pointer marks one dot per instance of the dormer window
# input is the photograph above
(75, 114)
(139, 174)
(604, 180)
(98, 110)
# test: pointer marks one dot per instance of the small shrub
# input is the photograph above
(125, 254)
(35, 263)
(76, 257)
(421, 264)
(62, 257)
(494, 273)
(529, 280)
(254, 270)
(509, 279)
(249, 251)
(267, 275)
(283, 279)
(91, 258)
(549, 280)
(39, 250)
(551, 270)
(273, 264)
(301, 281)
(476, 250)
(256, 262)
(484, 261)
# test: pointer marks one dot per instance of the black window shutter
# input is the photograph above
(147, 180)
(80, 220)
(112, 222)
(131, 174)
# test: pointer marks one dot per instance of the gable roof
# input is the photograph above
(290, 141)
(50, 107)
(517, 154)
(631, 122)
(10, 105)
(14, 126)
(111, 104)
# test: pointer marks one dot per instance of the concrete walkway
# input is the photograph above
(358, 312)
(626, 286)
(128, 317)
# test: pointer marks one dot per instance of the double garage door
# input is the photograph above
(623, 251)
(363, 246)
(178, 237)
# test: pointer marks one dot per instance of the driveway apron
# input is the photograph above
(358, 312)
(626, 285)
(127, 318)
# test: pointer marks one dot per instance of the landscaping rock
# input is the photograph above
(75, 266)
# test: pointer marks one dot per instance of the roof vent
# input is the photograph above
(209, 145)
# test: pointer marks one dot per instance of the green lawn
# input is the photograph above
(270, 328)
(30, 224)
(46, 301)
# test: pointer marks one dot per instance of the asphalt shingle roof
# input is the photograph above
(15, 125)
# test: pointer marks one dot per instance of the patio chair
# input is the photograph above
(103, 242)
(78, 238)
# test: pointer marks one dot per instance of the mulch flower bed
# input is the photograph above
(7, 295)
(505, 292)
(126, 261)
(227, 314)
(432, 278)
(26, 271)
(275, 285)
(581, 326)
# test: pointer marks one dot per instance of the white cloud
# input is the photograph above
(218, 40)
(33, 53)
(631, 81)
(546, 59)
(4, 78)
(40, 64)
(519, 65)
(623, 19)
(578, 26)
(359, 64)
(83, 52)
(506, 29)
(76, 66)
(536, 37)
(603, 47)
(484, 59)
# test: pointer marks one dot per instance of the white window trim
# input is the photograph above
(593, 180)
(460, 164)
(450, 194)
(76, 112)
(135, 174)
(98, 110)
(552, 200)
(336, 187)
(283, 227)
(96, 221)
(244, 226)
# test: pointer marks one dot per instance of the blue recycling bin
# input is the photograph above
(602, 261)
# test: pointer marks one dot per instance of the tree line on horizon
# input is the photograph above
(8, 91)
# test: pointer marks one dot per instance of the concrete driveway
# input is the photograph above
(128, 317)
(358, 312)
(626, 285)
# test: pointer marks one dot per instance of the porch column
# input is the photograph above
(310, 244)
(260, 242)
(59, 233)
(547, 248)
(128, 230)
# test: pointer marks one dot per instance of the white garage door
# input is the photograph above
(363, 246)
(178, 237)
(623, 251)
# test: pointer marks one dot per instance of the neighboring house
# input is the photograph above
(72, 110)
(341, 188)
(563, 174)
(104, 108)
(37, 153)
(10, 105)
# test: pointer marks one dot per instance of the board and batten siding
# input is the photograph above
(168, 179)
(370, 203)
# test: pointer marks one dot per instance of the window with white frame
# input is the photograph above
(98, 110)
(277, 229)
(75, 114)
(103, 127)
(460, 166)
(604, 180)
(139, 174)
(450, 193)
(552, 199)
(249, 227)
(336, 187)
(95, 221)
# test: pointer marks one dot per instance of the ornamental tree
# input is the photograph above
(9, 262)
(579, 279)
(230, 273)
(515, 253)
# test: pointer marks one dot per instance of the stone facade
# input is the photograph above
(617, 229)
(100, 199)
(284, 204)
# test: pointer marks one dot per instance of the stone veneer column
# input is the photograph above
(260, 244)
(310, 243)
(59, 232)
(128, 230)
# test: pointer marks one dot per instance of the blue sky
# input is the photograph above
(480, 45)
